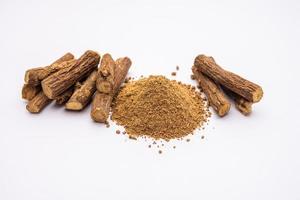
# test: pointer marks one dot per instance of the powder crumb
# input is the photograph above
(208, 114)
(154, 142)
(174, 147)
(118, 131)
(177, 67)
(107, 124)
(188, 140)
(202, 137)
(160, 151)
(124, 132)
(173, 73)
(149, 146)
(132, 138)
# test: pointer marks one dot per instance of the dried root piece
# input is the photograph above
(102, 102)
(242, 104)
(250, 91)
(62, 80)
(83, 94)
(106, 74)
(216, 97)
(39, 102)
(30, 91)
(101, 107)
(34, 76)
(64, 97)
(122, 68)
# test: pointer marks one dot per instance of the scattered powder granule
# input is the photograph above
(107, 124)
(118, 131)
(132, 137)
(159, 108)
(177, 67)
(173, 73)
(126, 80)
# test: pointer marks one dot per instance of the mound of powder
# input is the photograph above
(159, 108)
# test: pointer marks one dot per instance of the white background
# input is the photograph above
(64, 155)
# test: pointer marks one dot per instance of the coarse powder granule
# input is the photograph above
(159, 108)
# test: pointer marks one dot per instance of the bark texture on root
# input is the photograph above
(62, 80)
(242, 104)
(83, 94)
(64, 97)
(216, 97)
(30, 91)
(34, 76)
(250, 91)
(106, 74)
(101, 107)
(102, 102)
(38, 103)
(122, 68)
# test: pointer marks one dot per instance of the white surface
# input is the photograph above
(64, 155)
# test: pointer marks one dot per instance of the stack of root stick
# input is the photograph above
(219, 84)
(74, 83)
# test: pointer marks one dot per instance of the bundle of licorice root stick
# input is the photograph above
(75, 83)
(219, 84)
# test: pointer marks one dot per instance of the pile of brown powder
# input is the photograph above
(159, 108)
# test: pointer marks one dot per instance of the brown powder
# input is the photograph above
(159, 108)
